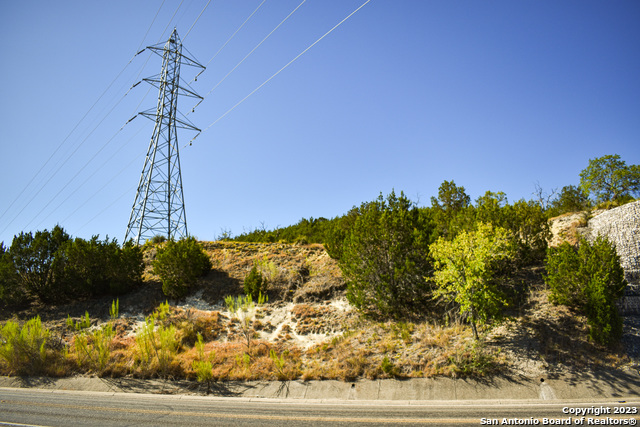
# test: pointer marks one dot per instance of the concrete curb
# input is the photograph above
(597, 385)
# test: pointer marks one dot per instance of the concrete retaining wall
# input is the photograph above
(622, 227)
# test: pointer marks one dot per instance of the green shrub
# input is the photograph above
(590, 279)
(203, 367)
(11, 293)
(312, 230)
(24, 348)
(383, 258)
(162, 312)
(83, 323)
(179, 264)
(157, 346)
(94, 348)
(95, 267)
(158, 238)
(571, 199)
(337, 232)
(255, 283)
(34, 260)
(244, 309)
(388, 367)
(53, 267)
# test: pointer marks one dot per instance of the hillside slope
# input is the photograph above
(307, 330)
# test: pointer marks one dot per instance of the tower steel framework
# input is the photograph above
(158, 208)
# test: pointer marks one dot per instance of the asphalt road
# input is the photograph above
(46, 408)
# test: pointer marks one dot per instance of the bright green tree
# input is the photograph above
(609, 178)
(465, 268)
(384, 258)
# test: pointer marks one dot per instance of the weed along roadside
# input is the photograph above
(283, 320)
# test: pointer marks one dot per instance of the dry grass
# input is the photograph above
(563, 338)
(365, 350)
(293, 272)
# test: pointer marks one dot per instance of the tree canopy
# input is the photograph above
(465, 268)
(609, 178)
(383, 258)
(52, 267)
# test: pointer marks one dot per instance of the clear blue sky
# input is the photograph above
(496, 95)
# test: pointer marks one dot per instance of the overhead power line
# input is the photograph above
(24, 189)
(126, 193)
(113, 177)
(76, 174)
(149, 29)
(111, 139)
(194, 23)
(66, 138)
(229, 39)
(169, 23)
(280, 70)
(249, 54)
(94, 193)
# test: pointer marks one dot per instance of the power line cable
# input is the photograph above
(86, 180)
(61, 165)
(149, 29)
(128, 191)
(249, 54)
(95, 193)
(78, 124)
(77, 173)
(279, 71)
(66, 138)
(94, 156)
(77, 147)
(169, 23)
(229, 39)
(194, 23)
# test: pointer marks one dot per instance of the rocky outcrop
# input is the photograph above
(622, 227)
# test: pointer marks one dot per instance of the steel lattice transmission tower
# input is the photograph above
(158, 208)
